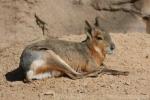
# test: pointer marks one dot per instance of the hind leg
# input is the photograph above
(50, 65)
(95, 72)
(34, 74)
(56, 62)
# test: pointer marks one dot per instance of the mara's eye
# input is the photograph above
(99, 38)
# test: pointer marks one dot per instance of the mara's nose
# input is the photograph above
(112, 46)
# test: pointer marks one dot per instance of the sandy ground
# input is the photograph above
(132, 54)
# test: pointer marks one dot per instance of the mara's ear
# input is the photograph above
(96, 21)
(97, 24)
(88, 29)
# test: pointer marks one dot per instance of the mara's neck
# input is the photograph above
(97, 52)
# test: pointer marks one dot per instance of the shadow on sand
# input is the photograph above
(15, 75)
(18, 75)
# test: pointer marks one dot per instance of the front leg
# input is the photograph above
(113, 72)
(104, 70)
(94, 71)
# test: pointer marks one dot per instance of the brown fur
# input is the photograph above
(42, 69)
(98, 56)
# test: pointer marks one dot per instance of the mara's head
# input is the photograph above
(99, 37)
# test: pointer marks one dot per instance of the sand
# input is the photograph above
(132, 54)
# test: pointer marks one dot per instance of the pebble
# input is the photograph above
(52, 93)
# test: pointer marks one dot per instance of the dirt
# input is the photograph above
(132, 54)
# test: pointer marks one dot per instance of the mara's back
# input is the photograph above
(76, 54)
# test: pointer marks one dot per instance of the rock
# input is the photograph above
(123, 15)
(145, 10)
(147, 21)
(121, 22)
(146, 56)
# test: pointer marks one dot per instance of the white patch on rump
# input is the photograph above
(42, 76)
(29, 75)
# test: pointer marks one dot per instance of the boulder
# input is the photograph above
(123, 15)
